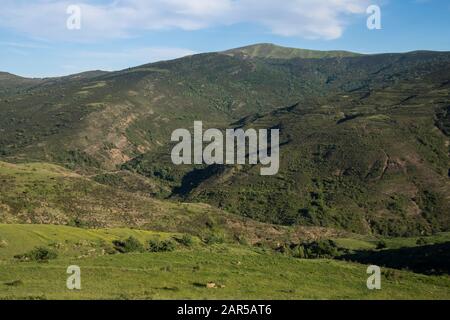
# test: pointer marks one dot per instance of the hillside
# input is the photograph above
(271, 51)
(365, 137)
(237, 271)
(377, 164)
(41, 193)
(11, 84)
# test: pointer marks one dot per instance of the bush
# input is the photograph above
(213, 238)
(129, 245)
(40, 254)
(381, 245)
(322, 249)
(241, 240)
(299, 252)
(161, 246)
(186, 240)
(392, 275)
(422, 242)
(3, 244)
(312, 250)
(77, 223)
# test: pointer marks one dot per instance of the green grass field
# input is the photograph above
(239, 272)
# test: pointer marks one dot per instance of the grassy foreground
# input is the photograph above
(239, 272)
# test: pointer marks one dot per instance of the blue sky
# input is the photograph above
(116, 34)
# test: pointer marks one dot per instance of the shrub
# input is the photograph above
(186, 240)
(392, 275)
(381, 245)
(106, 247)
(241, 240)
(129, 245)
(299, 252)
(40, 254)
(161, 246)
(109, 179)
(78, 223)
(213, 238)
(422, 242)
(3, 243)
(313, 250)
(322, 249)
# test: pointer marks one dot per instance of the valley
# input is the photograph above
(364, 160)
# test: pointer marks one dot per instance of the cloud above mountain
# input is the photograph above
(106, 19)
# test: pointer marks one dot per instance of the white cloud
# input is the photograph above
(324, 19)
(303, 18)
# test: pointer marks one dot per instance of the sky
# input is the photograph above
(46, 38)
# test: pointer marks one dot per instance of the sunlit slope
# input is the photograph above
(271, 51)
(372, 162)
(41, 193)
(238, 272)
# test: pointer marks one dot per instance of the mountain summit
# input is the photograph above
(269, 50)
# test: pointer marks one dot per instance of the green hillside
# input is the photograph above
(41, 193)
(349, 164)
(237, 271)
(371, 156)
(365, 142)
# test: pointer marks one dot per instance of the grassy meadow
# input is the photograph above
(238, 271)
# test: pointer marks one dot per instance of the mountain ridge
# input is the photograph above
(349, 115)
(258, 50)
(269, 50)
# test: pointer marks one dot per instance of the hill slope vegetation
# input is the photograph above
(365, 138)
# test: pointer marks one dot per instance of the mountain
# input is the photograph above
(345, 164)
(365, 138)
(10, 83)
(271, 51)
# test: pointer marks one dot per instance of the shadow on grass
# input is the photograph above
(430, 259)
